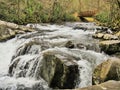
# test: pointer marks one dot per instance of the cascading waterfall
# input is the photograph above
(14, 83)
(22, 59)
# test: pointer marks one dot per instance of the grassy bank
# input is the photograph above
(33, 11)
(36, 11)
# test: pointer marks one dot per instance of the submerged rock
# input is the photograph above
(108, 70)
(110, 46)
(69, 44)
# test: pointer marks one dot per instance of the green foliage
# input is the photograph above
(103, 17)
(6, 13)
(68, 17)
(32, 11)
(115, 14)
(57, 12)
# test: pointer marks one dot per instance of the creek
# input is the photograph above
(22, 58)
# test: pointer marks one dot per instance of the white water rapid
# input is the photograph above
(21, 57)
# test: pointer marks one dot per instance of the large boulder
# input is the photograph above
(59, 71)
(110, 85)
(108, 70)
(110, 46)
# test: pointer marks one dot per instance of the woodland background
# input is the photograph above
(46, 11)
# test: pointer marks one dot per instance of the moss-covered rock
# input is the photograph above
(108, 70)
(110, 46)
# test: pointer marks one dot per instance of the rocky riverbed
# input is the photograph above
(50, 56)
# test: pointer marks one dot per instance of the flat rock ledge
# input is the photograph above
(9, 30)
(110, 85)
(106, 36)
(110, 46)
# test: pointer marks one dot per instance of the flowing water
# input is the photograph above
(27, 50)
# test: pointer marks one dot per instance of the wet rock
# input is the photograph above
(110, 46)
(34, 46)
(20, 66)
(89, 46)
(12, 66)
(81, 46)
(80, 27)
(110, 85)
(85, 26)
(59, 71)
(31, 47)
(108, 70)
(69, 44)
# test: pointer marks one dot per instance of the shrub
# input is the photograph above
(103, 17)
(68, 17)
